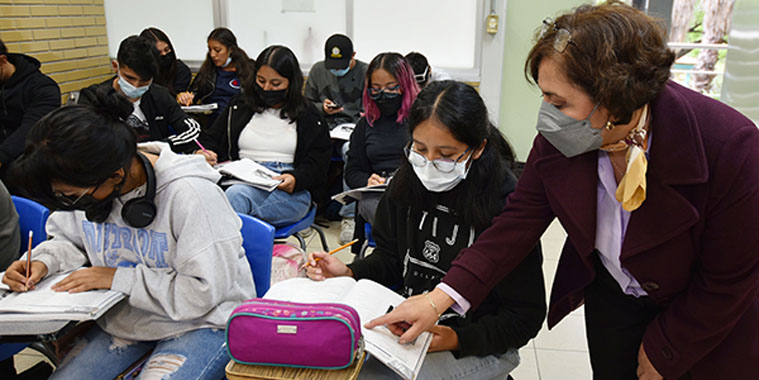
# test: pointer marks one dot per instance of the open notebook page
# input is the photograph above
(43, 303)
(305, 290)
(372, 300)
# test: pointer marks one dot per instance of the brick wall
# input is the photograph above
(67, 36)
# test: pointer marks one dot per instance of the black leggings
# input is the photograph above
(615, 323)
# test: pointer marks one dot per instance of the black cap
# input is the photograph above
(338, 52)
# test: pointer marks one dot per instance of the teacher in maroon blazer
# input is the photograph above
(658, 189)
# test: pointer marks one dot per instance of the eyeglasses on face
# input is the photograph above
(444, 165)
(562, 38)
(70, 200)
(388, 92)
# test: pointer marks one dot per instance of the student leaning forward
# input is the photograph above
(183, 268)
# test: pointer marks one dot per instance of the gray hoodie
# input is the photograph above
(186, 270)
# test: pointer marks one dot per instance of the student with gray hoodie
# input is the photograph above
(183, 269)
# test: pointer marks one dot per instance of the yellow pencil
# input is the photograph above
(346, 245)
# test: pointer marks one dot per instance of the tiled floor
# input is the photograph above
(561, 353)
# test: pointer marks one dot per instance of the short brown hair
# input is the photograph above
(617, 54)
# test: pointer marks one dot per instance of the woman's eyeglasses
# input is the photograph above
(444, 165)
(387, 92)
(562, 38)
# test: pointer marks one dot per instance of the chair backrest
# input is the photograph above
(368, 235)
(258, 242)
(32, 216)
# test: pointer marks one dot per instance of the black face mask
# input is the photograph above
(165, 61)
(389, 106)
(272, 97)
(96, 210)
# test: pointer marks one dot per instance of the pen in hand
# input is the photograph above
(346, 245)
(29, 259)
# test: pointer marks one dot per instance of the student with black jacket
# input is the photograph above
(273, 124)
(26, 95)
(455, 178)
(156, 115)
(173, 73)
(376, 144)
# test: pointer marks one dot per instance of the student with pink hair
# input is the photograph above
(376, 144)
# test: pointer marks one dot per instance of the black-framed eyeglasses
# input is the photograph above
(69, 200)
(444, 165)
(387, 92)
(562, 38)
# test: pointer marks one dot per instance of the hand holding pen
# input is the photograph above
(322, 265)
(23, 275)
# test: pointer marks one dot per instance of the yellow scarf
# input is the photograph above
(631, 191)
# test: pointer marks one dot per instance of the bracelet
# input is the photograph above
(427, 295)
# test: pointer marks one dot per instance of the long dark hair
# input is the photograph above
(399, 68)
(459, 108)
(282, 60)
(202, 83)
(79, 145)
(166, 74)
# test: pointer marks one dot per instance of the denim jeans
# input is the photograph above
(197, 354)
(277, 208)
(444, 366)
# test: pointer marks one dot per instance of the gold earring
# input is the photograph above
(609, 125)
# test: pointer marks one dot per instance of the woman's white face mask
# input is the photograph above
(438, 175)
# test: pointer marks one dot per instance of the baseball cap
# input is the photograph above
(338, 52)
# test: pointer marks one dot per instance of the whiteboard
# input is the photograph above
(443, 30)
(303, 26)
(186, 22)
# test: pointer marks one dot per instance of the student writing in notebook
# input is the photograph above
(273, 124)
(151, 224)
(455, 178)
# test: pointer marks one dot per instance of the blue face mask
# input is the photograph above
(129, 90)
(340, 73)
(228, 61)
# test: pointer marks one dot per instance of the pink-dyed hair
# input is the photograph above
(398, 67)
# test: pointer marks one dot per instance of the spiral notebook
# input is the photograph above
(44, 304)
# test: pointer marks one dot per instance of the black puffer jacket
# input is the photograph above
(25, 97)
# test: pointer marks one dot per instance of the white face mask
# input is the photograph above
(434, 179)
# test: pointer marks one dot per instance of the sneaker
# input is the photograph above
(346, 230)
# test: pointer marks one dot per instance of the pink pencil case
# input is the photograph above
(306, 335)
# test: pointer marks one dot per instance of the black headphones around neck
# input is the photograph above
(139, 212)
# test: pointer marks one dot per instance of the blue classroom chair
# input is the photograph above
(32, 216)
(302, 225)
(368, 241)
(258, 242)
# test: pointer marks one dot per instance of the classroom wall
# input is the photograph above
(519, 100)
(67, 36)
